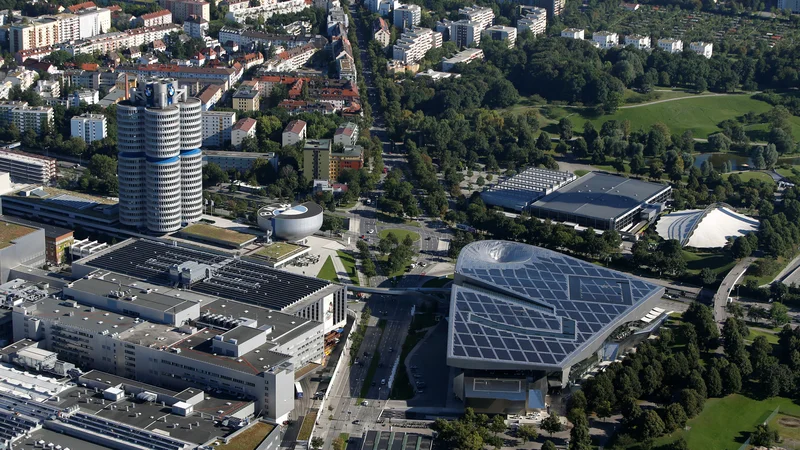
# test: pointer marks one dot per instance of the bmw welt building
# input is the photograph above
(520, 315)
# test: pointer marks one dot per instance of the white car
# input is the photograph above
(371, 231)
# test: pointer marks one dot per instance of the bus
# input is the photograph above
(298, 390)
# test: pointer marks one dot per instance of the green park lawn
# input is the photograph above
(726, 422)
(752, 175)
(717, 262)
(400, 234)
(755, 332)
(349, 263)
(700, 114)
(328, 271)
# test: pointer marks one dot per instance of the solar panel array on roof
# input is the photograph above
(520, 304)
(236, 279)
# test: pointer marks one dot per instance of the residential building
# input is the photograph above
(26, 117)
(347, 157)
(246, 37)
(414, 44)
(381, 32)
(160, 162)
(572, 33)
(638, 41)
(346, 134)
(346, 69)
(265, 10)
(535, 20)
(337, 16)
(113, 42)
(480, 15)
(152, 19)
(465, 33)
(791, 5)
(554, 7)
(436, 76)
(183, 9)
(57, 240)
(317, 159)
(22, 78)
(705, 49)
(292, 59)
(605, 39)
(248, 60)
(242, 129)
(382, 7)
(238, 161)
(294, 132)
(671, 45)
(246, 99)
(27, 167)
(210, 95)
(462, 57)
(397, 67)
(48, 88)
(196, 27)
(299, 27)
(32, 34)
(216, 127)
(88, 96)
(89, 127)
(5, 90)
(501, 33)
(407, 16)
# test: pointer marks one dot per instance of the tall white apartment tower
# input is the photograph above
(160, 163)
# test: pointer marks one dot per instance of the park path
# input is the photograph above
(681, 98)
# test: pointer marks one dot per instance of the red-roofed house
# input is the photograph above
(346, 134)
(159, 45)
(90, 67)
(81, 6)
(242, 129)
(162, 17)
(294, 132)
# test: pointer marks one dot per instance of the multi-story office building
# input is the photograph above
(183, 9)
(294, 132)
(216, 127)
(413, 44)
(407, 16)
(27, 167)
(242, 129)
(346, 134)
(160, 162)
(605, 39)
(705, 49)
(573, 33)
(380, 32)
(226, 76)
(317, 159)
(481, 15)
(465, 33)
(638, 41)
(89, 127)
(156, 18)
(671, 45)
(501, 33)
(534, 20)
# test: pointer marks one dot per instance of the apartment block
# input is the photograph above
(638, 41)
(89, 127)
(407, 16)
(27, 167)
(33, 34)
(152, 19)
(535, 20)
(481, 15)
(670, 45)
(573, 33)
(266, 9)
(465, 33)
(292, 59)
(381, 32)
(605, 39)
(242, 129)
(414, 44)
(346, 134)
(246, 99)
(347, 157)
(26, 117)
(791, 5)
(294, 132)
(705, 49)
(501, 33)
(317, 159)
(183, 9)
(195, 27)
(216, 127)
(346, 69)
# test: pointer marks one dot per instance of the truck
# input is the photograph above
(298, 390)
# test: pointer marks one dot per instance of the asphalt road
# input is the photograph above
(731, 279)
(346, 389)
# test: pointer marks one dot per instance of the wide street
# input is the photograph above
(344, 413)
